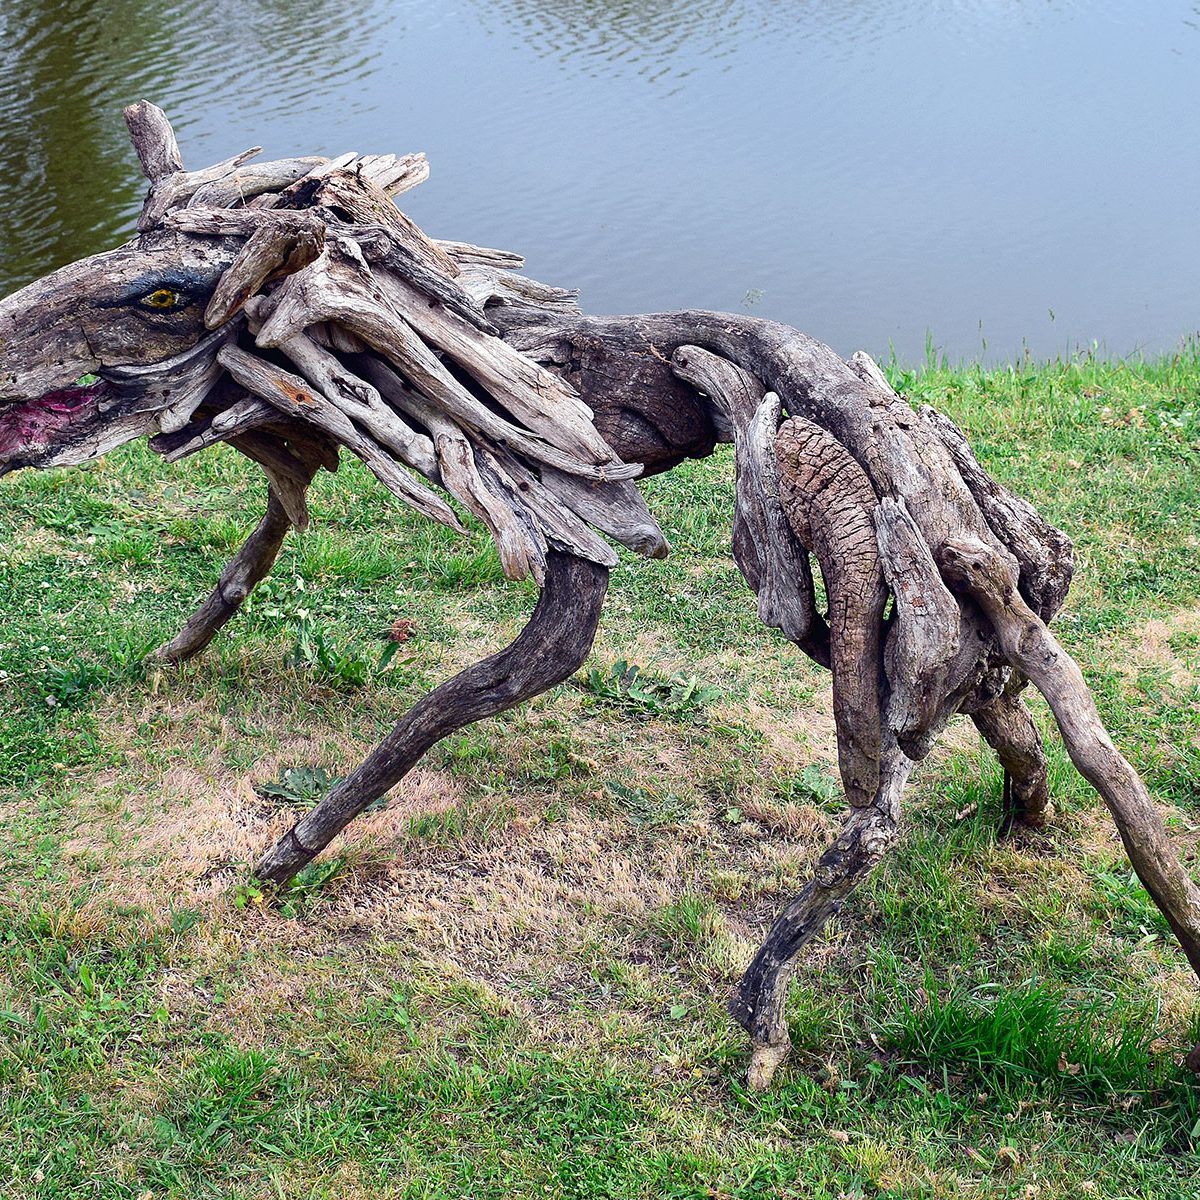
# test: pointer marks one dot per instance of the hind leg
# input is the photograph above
(1008, 727)
(548, 650)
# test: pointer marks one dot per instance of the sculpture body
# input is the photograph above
(290, 309)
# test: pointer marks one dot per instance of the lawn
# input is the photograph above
(509, 980)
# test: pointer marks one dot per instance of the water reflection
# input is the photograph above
(70, 183)
(1008, 170)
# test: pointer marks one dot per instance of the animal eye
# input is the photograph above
(163, 299)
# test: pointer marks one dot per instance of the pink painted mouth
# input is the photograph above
(36, 426)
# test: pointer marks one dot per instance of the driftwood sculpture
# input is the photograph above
(291, 310)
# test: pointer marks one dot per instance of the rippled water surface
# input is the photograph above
(1003, 176)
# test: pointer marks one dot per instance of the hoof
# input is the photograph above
(764, 1062)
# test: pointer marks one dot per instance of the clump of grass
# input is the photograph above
(640, 693)
(1011, 1035)
(652, 806)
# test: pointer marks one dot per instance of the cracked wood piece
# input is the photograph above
(178, 188)
(540, 400)
(153, 140)
(241, 417)
(293, 396)
(561, 526)
(480, 485)
(289, 474)
(465, 253)
(830, 505)
(1008, 727)
(522, 516)
(175, 387)
(357, 398)
(1031, 647)
(344, 292)
(486, 286)
(770, 557)
(868, 370)
(394, 174)
(273, 251)
(923, 639)
(1045, 554)
(616, 508)
(242, 574)
(241, 222)
(345, 191)
(253, 180)
(381, 248)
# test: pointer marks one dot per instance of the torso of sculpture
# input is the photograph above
(291, 310)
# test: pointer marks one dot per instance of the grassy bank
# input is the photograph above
(509, 981)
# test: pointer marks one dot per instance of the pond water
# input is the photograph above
(1001, 177)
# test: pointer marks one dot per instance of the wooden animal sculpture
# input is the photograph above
(291, 310)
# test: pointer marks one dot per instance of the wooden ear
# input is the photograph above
(275, 250)
(153, 140)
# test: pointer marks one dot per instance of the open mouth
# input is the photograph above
(33, 426)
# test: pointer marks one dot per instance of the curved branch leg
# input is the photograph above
(1008, 727)
(548, 650)
(241, 575)
(757, 1004)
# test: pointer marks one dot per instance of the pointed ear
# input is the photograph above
(153, 140)
(279, 247)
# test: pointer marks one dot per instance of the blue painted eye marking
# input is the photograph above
(164, 292)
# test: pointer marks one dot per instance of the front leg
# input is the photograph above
(552, 647)
(243, 572)
(758, 1001)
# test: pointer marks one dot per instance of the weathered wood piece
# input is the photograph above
(295, 398)
(550, 648)
(771, 558)
(247, 569)
(1031, 647)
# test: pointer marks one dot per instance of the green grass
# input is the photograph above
(509, 981)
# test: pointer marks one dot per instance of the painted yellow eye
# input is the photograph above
(162, 298)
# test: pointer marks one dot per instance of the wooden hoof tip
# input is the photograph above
(764, 1062)
(1038, 820)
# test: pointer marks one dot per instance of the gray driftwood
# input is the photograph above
(289, 309)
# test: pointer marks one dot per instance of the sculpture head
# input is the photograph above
(290, 308)
(70, 345)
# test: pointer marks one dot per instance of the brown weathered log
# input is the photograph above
(272, 251)
(356, 397)
(1045, 554)
(153, 140)
(549, 649)
(758, 1002)
(926, 631)
(830, 505)
(1008, 727)
(247, 569)
(771, 558)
